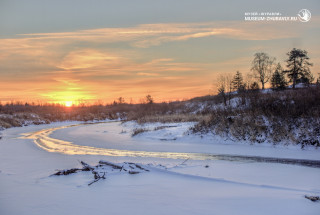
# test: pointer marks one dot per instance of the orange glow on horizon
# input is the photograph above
(68, 103)
(72, 96)
(99, 65)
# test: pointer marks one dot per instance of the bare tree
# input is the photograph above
(222, 88)
(120, 100)
(248, 80)
(149, 99)
(225, 87)
(262, 67)
(229, 86)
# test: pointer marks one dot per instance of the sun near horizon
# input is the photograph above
(68, 103)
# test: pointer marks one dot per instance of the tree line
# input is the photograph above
(265, 69)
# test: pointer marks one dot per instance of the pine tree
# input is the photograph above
(237, 82)
(298, 66)
(306, 78)
(278, 81)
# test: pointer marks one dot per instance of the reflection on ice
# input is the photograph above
(43, 140)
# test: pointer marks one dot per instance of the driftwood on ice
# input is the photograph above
(100, 171)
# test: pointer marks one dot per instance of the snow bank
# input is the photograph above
(173, 186)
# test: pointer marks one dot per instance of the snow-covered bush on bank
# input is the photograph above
(259, 129)
(291, 116)
(20, 119)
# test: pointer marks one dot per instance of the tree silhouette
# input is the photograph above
(254, 86)
(120, 100)
(222, 88)
(278, 80)
(237, 82)
(298, 66)
(225, 87)
(262, 67)
(149, 99)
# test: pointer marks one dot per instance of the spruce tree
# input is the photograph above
(278, 81)
(237, 82)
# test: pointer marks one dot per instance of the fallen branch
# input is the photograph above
(86, 167)
(115, 166)
(133, 172)
(97, 177)
(181, 163)
(313, 198)
(184, 161)
(137, 166)
(67, 171)
(99, 171)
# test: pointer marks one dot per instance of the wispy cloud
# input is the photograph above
(147, 74)
(111, 62)
(147, 35)
(87, 58)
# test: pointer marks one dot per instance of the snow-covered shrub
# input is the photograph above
(292, 116)
(137, 131)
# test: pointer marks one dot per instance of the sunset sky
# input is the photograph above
(71, 50)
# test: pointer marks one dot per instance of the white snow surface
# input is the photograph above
(173, 186)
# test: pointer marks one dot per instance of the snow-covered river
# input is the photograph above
(189, 174)
(44, 140)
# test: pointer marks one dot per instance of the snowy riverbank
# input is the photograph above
(173, 186)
